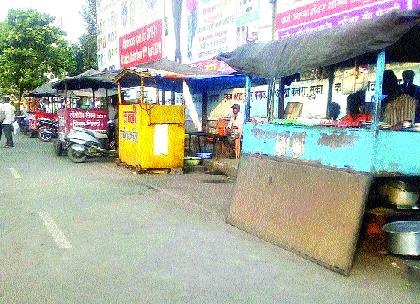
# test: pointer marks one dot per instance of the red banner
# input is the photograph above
(94, 119)
(141, 46)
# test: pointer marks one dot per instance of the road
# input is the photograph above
(97, 233)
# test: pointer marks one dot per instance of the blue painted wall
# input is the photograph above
(342, 148)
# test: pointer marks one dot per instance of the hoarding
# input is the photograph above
(118, 18)
(141, 46)
(198, 30)
(295, 17)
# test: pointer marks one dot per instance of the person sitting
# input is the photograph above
(234, 128)
(397, 106)
(408, 87)
(354, 114)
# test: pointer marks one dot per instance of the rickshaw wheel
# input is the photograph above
(45, 137)
(75, 156)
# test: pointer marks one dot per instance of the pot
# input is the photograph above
(192, 161)
(403, 237)
(204, 155)
(401, 194)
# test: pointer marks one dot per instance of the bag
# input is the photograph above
(15, 127)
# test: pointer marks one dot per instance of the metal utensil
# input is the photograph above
(403, 237)
(401, 194)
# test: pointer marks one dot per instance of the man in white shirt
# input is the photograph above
(235, 126)
(1, 117)
(7, 125)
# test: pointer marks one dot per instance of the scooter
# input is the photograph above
(48, 129)
(82, 144)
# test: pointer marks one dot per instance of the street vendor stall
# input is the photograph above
(314, 178)
(44, 105)
(151, 136)
(72, 116)
(165, 75)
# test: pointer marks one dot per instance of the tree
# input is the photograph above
(85, 50)
(30, 49)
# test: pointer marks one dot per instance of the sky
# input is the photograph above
(66, 11)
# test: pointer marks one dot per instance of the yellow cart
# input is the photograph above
(151, 136)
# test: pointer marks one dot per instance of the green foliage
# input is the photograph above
(30, 48)
(85, 51)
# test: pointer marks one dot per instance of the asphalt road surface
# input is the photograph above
(97, 233)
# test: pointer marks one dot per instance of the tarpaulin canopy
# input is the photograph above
(168, 75)
(44, 90)
(90, 79)
(397, 32)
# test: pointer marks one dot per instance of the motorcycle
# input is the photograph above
(47, 129)
(82, 144)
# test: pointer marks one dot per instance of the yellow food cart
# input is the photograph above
(151, 136)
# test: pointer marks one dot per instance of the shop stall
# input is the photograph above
(73, 115)
(151, 135)
(44, 104)
(164, 76)
(303, 184)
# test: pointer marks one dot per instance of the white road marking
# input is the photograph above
(15, 173)
(59, 237)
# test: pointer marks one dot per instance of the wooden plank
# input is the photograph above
(311, 210)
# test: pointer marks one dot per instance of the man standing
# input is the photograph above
(7, 124)
(234, 127)
(1, 117)
(398, 106)
(408, 87)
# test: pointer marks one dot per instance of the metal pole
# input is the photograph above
(380, 68)
(330, 89)
(65, 94)
(93, 97)
(280, 109)
(204, 105)
(248, 85)
(119, 93)
(273, 24)
(142, 88)
(270, 101)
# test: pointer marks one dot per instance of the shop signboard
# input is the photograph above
(93, 119)
(141, 46)
(297, 17)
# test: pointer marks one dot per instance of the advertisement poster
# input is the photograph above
(141, 46)
(296, 17)
(118, 18)
(198, 30)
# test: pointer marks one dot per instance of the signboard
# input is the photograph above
(316, 15)
(93, 119)
(141, 46)
(116, 18)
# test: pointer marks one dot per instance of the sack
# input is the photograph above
(15, 127)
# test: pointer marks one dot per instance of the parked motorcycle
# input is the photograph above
(47, 129)
(82, 144)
